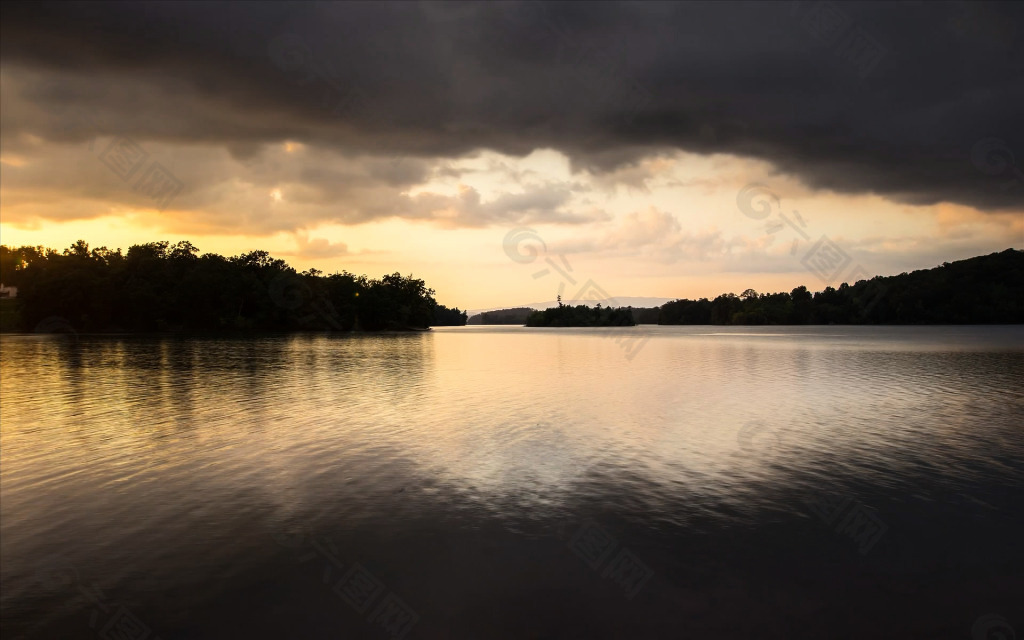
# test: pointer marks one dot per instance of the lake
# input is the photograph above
(506, 482)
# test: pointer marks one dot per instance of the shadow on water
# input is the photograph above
(508, 485)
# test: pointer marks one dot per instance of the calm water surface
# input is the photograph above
(485, 482)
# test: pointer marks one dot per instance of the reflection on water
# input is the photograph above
(510, 482)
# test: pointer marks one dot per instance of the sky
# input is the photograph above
(510, 152)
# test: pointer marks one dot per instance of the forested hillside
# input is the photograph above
(163, 287)
(983, 290)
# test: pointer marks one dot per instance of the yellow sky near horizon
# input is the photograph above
(668, 226)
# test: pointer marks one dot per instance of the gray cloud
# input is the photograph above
(658, 236)
(543, 203)
(227, 192)
(882, 97)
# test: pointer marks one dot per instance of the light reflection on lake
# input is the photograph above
(506, 482)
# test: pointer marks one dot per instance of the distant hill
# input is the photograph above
(502, 316)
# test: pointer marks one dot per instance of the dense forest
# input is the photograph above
(163, 287)
(983, 290)
(581, 316)
(646, 315)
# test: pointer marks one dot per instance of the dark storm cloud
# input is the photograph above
(885, 98)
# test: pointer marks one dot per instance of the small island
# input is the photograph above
(581, 316)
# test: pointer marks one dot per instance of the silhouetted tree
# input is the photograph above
(581, 316)
(985, 289)
(162, 287)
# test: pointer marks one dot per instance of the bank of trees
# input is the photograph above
(581, 316)
(163, 287)
(445, 317)
(982, 290)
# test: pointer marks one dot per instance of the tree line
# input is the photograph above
(163, 287)
(581, 316)
(982, 290)
(158, 287)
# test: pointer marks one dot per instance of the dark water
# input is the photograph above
(516, 483)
